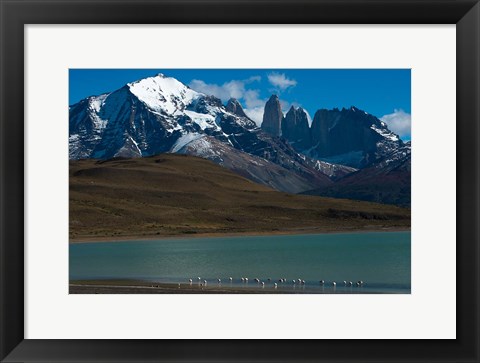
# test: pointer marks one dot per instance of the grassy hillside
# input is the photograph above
(169, 195)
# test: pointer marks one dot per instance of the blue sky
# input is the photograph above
(385, 93)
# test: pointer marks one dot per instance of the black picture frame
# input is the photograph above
(15, 14)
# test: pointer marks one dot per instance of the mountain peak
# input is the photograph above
(235, 107)
(163, 94)
(296, 109)
(272, 116)
(295, 128)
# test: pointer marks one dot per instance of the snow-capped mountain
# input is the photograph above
(160, 114)
(140, 119)
(345, 153)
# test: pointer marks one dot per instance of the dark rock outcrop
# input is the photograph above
(295, 128)
(272, 116)
(235, 107)
(350, 137)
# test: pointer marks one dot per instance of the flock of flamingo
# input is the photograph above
(261, 283)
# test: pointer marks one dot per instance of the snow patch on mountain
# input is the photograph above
(386, 133)
(203, 120)
(185, 140)
(129, 149)
(333, 170)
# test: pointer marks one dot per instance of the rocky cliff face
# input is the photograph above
(337, 132)
(350, 136)
(235, 107)
(295, 128)
(272, 116)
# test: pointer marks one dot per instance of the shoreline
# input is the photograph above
(233, 234)
(145, 287)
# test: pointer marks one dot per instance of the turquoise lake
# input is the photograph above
(381, 259)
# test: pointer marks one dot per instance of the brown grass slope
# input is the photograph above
(172, 195)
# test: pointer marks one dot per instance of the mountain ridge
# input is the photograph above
(160, 114)
(149, 116)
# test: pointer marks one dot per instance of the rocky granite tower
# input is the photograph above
(273, 116)
(295, 128)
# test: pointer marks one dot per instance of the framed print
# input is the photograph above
(271, 181)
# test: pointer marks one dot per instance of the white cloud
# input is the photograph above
(252, 99)
(399, 122)
(256, 114)
(280, 81)
(253, 79)
(225, 91)
(231, 89)
(254, 105)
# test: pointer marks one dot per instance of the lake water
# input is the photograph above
(380, 259)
